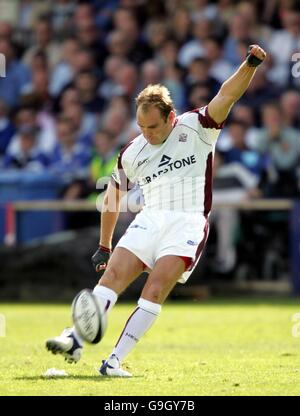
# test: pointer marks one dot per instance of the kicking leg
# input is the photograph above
(123, 267)
(160, 282)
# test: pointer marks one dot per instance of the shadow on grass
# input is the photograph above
(70, 377)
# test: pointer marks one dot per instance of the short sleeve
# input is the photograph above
(206, 120)
(207, 125)
(120, 178)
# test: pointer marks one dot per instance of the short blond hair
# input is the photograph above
(155, 96)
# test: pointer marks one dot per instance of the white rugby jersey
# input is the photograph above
(177, 174)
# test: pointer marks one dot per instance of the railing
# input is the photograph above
(81, 205)
(17, 209)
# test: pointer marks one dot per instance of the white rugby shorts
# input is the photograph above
(154, 234)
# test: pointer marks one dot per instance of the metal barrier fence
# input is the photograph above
(15, 211)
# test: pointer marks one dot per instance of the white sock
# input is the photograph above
(77, 336)
(108, 298)
(137, 325)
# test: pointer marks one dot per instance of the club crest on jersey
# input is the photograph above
(182, 137)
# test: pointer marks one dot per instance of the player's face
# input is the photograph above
(153, 126)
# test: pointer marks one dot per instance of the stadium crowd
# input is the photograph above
(73, 69)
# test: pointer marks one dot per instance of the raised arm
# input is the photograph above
(235, 86)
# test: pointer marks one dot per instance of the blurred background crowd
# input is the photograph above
(73, 69)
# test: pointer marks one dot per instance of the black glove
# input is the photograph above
(251, 59)
(100, 258)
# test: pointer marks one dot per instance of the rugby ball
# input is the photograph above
(89, 317)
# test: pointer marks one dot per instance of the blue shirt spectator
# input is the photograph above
(70, 159)
(240, 152)
(27, 155)
(7, 129)
(17, 75)
(70, 163)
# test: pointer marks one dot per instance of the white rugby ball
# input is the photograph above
(89, 317)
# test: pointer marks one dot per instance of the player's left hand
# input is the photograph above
(255, 56)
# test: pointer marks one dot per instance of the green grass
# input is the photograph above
(209, 348)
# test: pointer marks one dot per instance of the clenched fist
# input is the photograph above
(255, 55)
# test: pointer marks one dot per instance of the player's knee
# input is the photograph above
(155, 293)
(110, 275)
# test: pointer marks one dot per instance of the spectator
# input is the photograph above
(259, 30)
(17, 75)
(29, 116)
(63, 72)
(245, 114)
(7, 129)
(150, 73)
(102, 163)
(280, 144)
(109, 87)
(180, 25)
(226, 11)
(39, 62)
(167, 54)
(83, 12)
(126, 22)
(172, 79)
(156, 33)
(201, 9)
(219, 68)
(117, 123)
(198, 73)
(38, 89)
(84, 61)
(120, 103)
(86, 83)
(289, 36)
(27, 155)
(104, 12)
(70, 159)
(233, 183)
(6, 30)
(43, 41)
(198, 96)
(239, 30)
(127, 80)
(28, 15)
(68, 97)
(84, 123)
(62, 12)
(261, 91)
(240, 152)
(202, 28)
(117, 44)
(290, 107)
(89, 37)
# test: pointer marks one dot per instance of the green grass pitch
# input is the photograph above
(215, 347)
